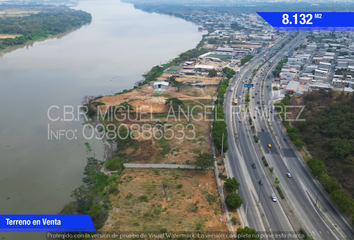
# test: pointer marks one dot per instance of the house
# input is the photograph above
(160, 84)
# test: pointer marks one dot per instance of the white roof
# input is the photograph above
(324, 63)
(329, 53)
(292, 86)
(204, 66)
(347, 89)
(160, 83)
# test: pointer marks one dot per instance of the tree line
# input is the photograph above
(42, 25)
(329, 136)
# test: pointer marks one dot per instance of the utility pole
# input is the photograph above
(222, 144)
(246, 209)
(259, 192)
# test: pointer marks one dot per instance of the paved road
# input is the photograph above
(248, 177)
(302, 180)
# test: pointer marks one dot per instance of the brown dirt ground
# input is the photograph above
(143, 99)
(174, 213)
(2, 36)
(184, 144)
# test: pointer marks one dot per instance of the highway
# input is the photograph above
(240, 166)
(296, 187)
(301, 181)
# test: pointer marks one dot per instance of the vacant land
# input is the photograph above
(3, 36)
(166, 200)
(143, 98)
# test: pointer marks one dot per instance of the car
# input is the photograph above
(262, 130)
(288, 175)
(269, 145)
(260, 182)
(255, 109)
(256, 93)
(285, 139)
(252, 96)
(254, 117)
(240, 121)
(260, 107)
(242, 110)
(239, 97)
(267, 85)
(271, 111)
(274, 199)
(253, 165)
(236, 95)
(258, 102)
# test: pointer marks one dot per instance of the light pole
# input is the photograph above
(259, 191)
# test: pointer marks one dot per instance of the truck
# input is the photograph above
(235, 101)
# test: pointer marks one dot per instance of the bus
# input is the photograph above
(235, 101)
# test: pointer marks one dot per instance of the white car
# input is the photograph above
(288, 175)
(274, 199)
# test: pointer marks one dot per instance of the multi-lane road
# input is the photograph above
(240, 160)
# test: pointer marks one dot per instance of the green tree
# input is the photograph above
(175, 103)
(231, 184)
(330, 184)
(271, 169)
(277, 181)
(212, 73)
(98, 215)
(246, 232)
(204, 160)
(233, 201)
(317, 167)
(83, 199)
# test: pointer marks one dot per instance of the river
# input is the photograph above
(38, 173)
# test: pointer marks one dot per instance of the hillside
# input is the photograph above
(328, 132)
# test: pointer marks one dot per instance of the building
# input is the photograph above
(160, 85)
(292, 87)
(203, 67)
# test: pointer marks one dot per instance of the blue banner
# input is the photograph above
(46, 223)
(308, 21)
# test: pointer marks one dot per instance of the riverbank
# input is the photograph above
(37, 26)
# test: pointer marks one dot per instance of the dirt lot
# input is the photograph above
(2, 36)
(166, 200)
(144, 99)
(246, 45)
(16, 12)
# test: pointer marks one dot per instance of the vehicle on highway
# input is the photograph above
(269, 145)
(256, 93)
(260, 182)
(253, 165)
(243, 81)
(271, 111)
(288, 175)
(252, 96)
(262, 130)
(274, 199)
(260, 107)
(267, 85)
(254, 117)
(240, 121)
(285, 139)
(231, 89)
(242, 110)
